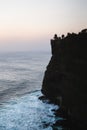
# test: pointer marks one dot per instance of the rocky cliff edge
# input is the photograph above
(66, 74)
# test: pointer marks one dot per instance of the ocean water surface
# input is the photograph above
(21, 72)
(21, 75)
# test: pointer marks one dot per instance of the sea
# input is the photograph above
(21, 73)
(21, 76)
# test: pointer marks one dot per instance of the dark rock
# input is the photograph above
(63, 113)
(66, 74)
(42, 98)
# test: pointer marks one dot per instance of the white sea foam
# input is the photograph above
(27, 113)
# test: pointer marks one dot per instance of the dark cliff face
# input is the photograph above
(66, 73)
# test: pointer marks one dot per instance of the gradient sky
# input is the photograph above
(30, 24)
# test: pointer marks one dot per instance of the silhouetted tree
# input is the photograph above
(63, 36)
(55, 37)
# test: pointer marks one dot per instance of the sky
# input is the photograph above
(28, 25)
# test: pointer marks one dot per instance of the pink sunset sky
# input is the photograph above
(28, 25)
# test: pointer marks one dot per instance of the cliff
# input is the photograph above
(66, 74)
